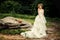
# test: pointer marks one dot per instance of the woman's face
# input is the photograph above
(40, 7)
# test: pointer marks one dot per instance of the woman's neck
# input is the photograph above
(39, 8)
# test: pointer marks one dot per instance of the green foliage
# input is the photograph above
(11, 31)
(28, 7)
(21, 7)
(10, 6)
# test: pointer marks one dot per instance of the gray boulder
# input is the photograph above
(11, 22)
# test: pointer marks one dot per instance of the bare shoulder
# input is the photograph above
(42, 10)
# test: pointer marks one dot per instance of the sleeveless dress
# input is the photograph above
(39, 28)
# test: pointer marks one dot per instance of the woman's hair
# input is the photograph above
(40, 4)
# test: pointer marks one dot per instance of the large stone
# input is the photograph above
(11, 22)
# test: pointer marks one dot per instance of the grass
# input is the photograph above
(28, 18)
(11, 31)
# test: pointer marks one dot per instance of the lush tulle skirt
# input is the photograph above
(38, 30)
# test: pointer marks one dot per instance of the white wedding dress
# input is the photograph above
(39, 28)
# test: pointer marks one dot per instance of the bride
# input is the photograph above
(39, 28)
